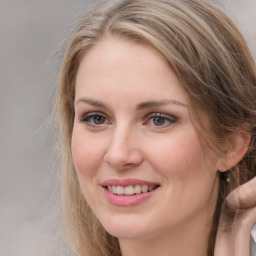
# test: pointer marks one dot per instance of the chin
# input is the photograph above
(126, 229)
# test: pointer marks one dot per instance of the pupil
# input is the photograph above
(158, 121)
(99, 119)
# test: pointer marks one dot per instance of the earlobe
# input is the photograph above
(235, 148)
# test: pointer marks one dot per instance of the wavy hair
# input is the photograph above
(212, 61)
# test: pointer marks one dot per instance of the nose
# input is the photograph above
(123, 151)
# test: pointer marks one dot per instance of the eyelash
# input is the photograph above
(163, 117)
(89, 119)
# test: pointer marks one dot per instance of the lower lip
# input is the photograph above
(130, 200)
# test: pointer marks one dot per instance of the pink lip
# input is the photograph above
(127, 200)
(131, 200)
(126, 182)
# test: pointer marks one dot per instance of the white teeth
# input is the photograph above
(130, 190)
(119, 190)
(144, 188)
(110, 188)
(137, 189)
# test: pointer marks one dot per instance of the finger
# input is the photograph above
(224, 237)
(235, 225)
(223, 244)
(242, 232)
(244, 197)
(234, 239)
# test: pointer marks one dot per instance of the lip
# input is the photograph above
(127, 200)
(131, 200)
(127, 182)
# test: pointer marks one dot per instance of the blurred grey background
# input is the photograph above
(31, 32)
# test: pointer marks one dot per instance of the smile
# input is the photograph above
(128, 192)
(131, 190)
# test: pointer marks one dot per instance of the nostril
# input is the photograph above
(123, 159)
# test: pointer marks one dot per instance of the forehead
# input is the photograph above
(118, 55)
(116, 65)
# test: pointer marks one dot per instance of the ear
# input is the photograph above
(236, 147)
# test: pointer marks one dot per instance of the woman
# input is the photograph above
(156, 112)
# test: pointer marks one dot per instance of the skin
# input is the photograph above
(116, 136)
(233, 238)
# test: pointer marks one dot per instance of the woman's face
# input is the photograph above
(139, 159)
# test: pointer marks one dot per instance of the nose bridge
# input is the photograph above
(121, 135)
(122, 151)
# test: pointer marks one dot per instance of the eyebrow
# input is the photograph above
(140, 106)
(92, 102)
(152, 104)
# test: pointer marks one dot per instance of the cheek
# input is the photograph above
(183, 163)
(86, 153)
(189, 176)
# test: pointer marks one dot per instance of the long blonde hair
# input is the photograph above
(209, 56)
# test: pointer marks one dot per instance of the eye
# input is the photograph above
(160, 120)
(94, 119)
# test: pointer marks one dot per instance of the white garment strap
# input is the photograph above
(253, 241)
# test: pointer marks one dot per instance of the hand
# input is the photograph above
(233, 236)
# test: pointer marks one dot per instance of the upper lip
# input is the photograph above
(127, 182)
